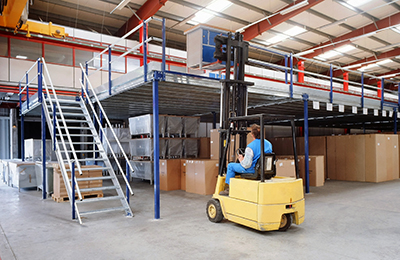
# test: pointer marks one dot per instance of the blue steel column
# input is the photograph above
(305, 99)
(109, 70)
(286, 69)
(291, 75)
(163, 50)
(128, 178)
(73, 189)
(27, 92)
(87, 84)
(22, 138)
(144, 52)
(44, 151)
(83, 84)
(156, 155)
(395, 120)
(382, 94)
(398, 96)
(331, 86)
(362, 89)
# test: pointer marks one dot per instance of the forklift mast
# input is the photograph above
(232, 50)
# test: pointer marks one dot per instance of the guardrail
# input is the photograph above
(144, 44)
(290, 70)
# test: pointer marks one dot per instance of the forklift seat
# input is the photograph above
(269, 165)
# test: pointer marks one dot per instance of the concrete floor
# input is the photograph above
(344, 220)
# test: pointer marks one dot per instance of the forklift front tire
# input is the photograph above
(214, 211)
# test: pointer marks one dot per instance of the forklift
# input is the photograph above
(259, 200)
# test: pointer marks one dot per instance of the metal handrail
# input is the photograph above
(102, 129)
(65, 126)
(122, 38)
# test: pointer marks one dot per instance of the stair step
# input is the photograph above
(82, 151)
(72, 114)
(72, 120)
(82, 135)
(101, 211)
(99, 188)
(65, 101)
(86, 143)
(88, 159)
(99, 199)
(94, 178)
(77, 127)
(69, 107)
(90, 169)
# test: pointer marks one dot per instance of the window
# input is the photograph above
(83, 56)
(21, 49)
(3, 46)
(57, 54)
(117, 65)
(133, 64)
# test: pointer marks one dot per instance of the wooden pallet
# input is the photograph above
(84, 196)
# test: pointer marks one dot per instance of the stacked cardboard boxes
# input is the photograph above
(316, 163)
(370, 158)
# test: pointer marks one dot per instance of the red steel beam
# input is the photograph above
(263, 26)
(147, 10)
(345, 39)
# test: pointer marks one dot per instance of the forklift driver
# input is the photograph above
(248, 161)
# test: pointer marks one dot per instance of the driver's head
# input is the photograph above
(255, 131)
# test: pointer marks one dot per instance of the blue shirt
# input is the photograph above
(256, 147)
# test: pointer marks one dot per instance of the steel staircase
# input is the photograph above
(76, 141)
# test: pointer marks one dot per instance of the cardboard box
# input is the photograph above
(183, 174)
(331, 157)
(214, 144)
(201, 176)
(316, 168)
(285, 168)
(170, 174)
(204, 149)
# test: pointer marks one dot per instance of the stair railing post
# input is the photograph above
(54, 126)
(109, 71)
(128, 177)
(44, 150)
(73, 189)
(27, 91)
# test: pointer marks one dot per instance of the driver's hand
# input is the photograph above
(240, 157)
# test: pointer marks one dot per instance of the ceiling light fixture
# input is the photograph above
(219, 5)
(121, 5)
(294, 7)
(21, 57)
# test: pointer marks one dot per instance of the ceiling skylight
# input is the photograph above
(219, 6)
(329, 54)
(357, 3)
(202, 16)
(383, 62)
(206, 14)
(345, 48)
(295, 30)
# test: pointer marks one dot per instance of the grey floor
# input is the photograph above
(344, 220)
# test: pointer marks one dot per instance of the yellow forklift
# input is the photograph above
(261, 200)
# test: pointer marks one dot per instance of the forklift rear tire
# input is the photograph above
(214, 211)
(286, 222)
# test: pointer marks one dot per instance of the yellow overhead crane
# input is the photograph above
(14, 15)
